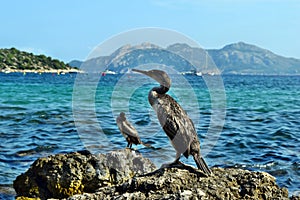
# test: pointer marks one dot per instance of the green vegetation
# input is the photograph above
(15, 60)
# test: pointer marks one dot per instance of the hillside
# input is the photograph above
(14, 60)
(242, 58)
(237, 58)
(127, 57)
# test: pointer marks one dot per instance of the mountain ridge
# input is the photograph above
(235, 58)
(243, 58)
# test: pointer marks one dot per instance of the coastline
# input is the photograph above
(54, 71)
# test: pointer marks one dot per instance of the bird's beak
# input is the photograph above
(141, 71)
(147, 73)
(158, 75)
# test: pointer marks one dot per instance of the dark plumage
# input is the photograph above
(128, 131)
(174, 120)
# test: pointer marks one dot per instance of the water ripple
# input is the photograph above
(261, 130)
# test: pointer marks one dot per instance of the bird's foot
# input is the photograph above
(131, 149)
(172, 164)
(181, 165)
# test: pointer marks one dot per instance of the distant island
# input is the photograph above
(238, 58)
(243, 58)
(14, 60)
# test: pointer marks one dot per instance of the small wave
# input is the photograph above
(267, 165)
(12, 108)
(278, 172)
(257, 119)
(276, 156)
(7, 192)
(296, 168)
(142, 122)
(38, 149)
(282, 133)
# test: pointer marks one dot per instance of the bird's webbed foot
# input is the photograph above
(131, 149)
(175, 163)
(129, 146)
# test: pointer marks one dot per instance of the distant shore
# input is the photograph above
(55, 71)
(73, 70)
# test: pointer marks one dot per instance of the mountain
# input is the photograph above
(242, 58)
(75, 63)
(127, 57)
(237, 58)
(14, 60)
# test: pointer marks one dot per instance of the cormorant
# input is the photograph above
(128, 131)
(174, 120)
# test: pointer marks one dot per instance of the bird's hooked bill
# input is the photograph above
(158, 75)
(140, 71)
(147, 73)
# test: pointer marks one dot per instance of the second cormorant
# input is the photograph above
(128, 131)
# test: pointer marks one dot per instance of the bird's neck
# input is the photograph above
(155, 94)
(161, 89)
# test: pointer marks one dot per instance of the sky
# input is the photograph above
(71, 29)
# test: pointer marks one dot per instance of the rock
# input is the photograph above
(125, 174)
(180, 183)
(64, 175)
(295, 197)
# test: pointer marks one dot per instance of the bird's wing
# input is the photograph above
(119, 123)
(120, 126)
(128, 129)
(176, 124)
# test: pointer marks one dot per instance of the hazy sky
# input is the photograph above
(70, 29)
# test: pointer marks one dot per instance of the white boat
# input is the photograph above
(198, 73)
(109, 72)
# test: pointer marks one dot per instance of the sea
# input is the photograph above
(248, 122)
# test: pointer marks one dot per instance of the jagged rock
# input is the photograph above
(125, 174)
(176, 183)
(64, 175)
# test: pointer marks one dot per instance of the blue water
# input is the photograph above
(43, 114)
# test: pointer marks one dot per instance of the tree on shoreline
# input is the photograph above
(14, 59)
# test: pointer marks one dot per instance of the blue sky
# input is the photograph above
(70, 29)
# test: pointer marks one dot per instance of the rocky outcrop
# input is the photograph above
(125, 174)
(63, 175)
(176, 183)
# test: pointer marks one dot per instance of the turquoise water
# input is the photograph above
(43, 114)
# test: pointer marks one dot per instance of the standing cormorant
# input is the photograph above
(128, 131)
(174, 120)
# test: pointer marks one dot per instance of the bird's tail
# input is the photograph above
(201, 164)
(146, 145)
